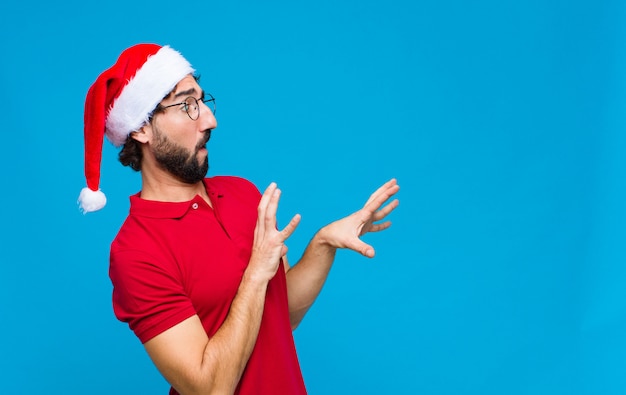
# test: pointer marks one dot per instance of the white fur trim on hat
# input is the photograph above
(152, 82)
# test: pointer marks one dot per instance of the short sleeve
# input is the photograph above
(147, 295)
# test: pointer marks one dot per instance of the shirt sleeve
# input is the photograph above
(147, 295)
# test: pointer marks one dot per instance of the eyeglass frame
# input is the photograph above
(160, 108)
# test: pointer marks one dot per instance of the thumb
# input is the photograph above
(363, 248)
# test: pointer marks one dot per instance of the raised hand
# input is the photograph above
(269, 242)
(346, 232)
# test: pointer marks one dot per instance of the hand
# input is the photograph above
(345, 232)
(269, 242)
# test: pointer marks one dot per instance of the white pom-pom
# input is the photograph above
(89, 200)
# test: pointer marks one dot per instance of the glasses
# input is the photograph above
(192, 106)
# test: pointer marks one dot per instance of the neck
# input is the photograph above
(163, 187)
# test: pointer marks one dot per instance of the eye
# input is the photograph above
(191, 103)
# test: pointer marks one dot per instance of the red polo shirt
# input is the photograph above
(170, 261)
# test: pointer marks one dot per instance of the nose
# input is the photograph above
(207, 117)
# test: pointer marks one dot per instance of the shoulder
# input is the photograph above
(232, 185)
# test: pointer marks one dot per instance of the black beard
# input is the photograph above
(179, 161)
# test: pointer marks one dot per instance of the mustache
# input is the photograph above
(205, 139)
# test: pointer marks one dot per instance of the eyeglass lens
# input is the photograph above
(193, 107)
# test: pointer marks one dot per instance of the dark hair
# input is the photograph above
(131, 155)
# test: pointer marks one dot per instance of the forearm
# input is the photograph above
(195, 364)
(228, 351)
(306, 279)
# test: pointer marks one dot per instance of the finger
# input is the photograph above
(389, 184)
(267, 194)
(272, 207)
(291, 226)
(376, 202)
(259, 230)
(362, 248)
(379, 227)
(265, 198)
(383, 212)
(261, 226)
(378, 199)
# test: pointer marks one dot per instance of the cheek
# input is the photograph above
(181, 132)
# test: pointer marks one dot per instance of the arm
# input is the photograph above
(306, 278)
(192, 362)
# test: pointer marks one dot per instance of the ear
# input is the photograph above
(143, 134)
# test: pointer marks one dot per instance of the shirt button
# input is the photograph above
(195, 206)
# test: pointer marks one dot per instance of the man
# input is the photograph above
(199, 267)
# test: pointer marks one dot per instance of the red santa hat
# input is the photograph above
(121, 101)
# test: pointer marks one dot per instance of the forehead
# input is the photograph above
(189, 82)
(186, 87)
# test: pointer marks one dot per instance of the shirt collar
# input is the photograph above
(157, 209)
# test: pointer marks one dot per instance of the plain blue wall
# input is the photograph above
(503, 121)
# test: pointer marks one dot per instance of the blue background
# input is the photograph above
(504, 271)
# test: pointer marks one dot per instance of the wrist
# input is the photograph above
(256, 277)
(322, 240)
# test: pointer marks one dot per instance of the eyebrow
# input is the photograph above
(187, 93)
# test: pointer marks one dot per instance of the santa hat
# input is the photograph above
(121, 101)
